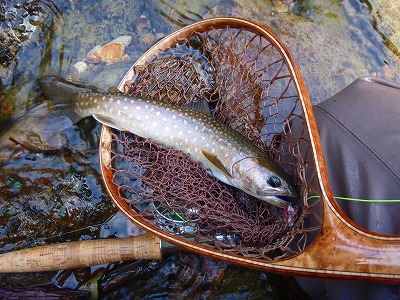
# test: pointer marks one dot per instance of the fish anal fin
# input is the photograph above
(214, 160)
(107, 121)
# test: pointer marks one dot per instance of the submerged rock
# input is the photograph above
(111, 52)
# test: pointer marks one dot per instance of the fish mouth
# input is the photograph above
(287, 193)
(280, 201)
(278, 197)
(288, 199)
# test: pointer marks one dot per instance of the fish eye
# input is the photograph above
(274, 182)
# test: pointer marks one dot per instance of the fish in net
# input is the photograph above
(247, 85)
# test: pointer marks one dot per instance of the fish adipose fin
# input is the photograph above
(214, 160)
(108, 122)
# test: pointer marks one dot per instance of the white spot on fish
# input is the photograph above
(196, 149)
(98, 106)
(213, 150)
(221, 147)
(226, 154)
(146, 106)
(125, 107)
(173, 117)
(157, 113)
(119, 113)
(186, 140)
(111, 109)
(184, 122)
(118, 102)
(130, 116)
(166, 128)
(138, 107)
(95, 100)
(175, 126)
(194, 140)
(132, 101)
(188, 150)
(203, 138)
(154, 124)
(146, 117)
(151, 108)
(103, 98)
(196, 127)
(111, 100)
(164, 119)
(105, 106)
(207, 145)
(180, 132)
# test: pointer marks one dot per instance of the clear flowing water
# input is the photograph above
(51, 188)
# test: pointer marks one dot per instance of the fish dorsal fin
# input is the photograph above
(214, 160)
(107, 121)
(200, 105)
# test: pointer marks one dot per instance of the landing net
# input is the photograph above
(249, 87)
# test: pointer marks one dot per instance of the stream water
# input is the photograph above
(57, 195)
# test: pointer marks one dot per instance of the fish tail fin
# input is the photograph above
(63, 94)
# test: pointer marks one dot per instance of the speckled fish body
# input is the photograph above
(229, 156)
(188, 130)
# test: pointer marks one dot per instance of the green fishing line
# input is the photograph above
(361, 200)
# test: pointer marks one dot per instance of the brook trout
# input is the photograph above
(228, 155)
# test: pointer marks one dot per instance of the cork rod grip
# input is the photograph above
(80, 254)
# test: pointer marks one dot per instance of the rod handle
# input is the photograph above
(79, 254)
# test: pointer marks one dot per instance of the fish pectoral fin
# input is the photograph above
(214, 160)
(107, 121)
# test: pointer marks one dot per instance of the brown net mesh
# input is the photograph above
(249, 87)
